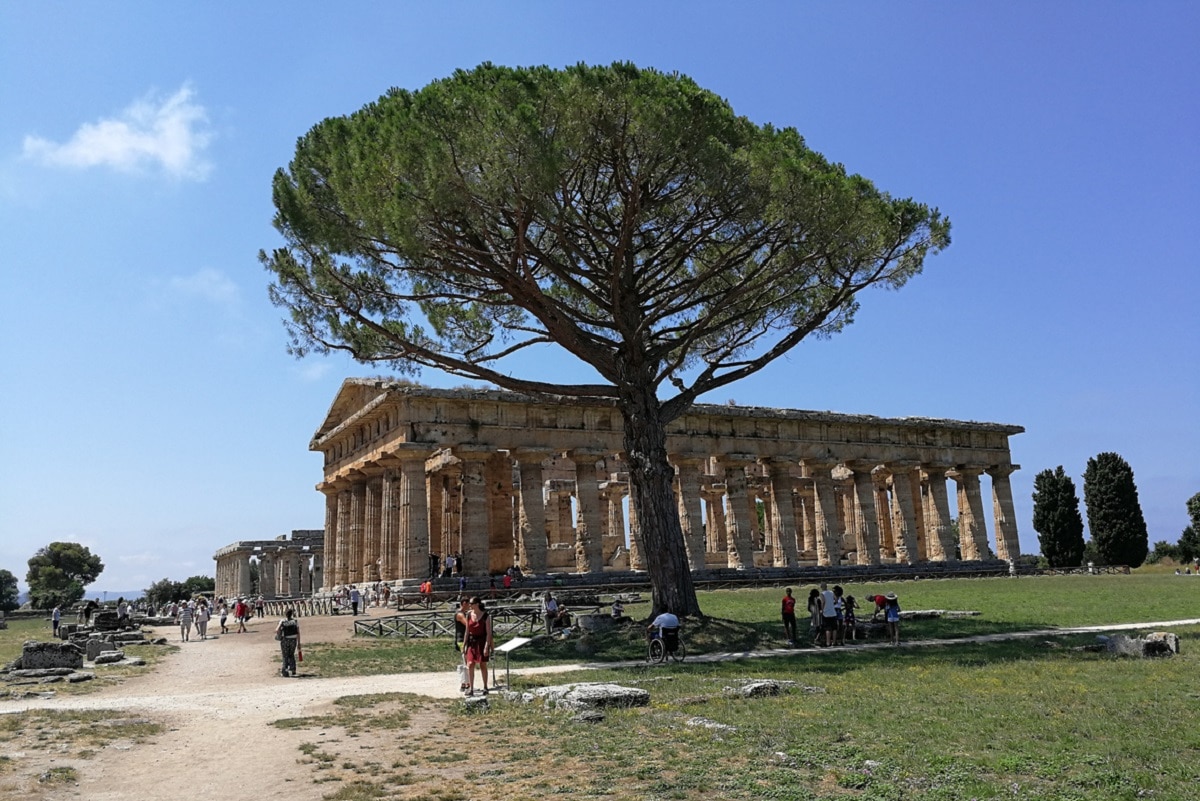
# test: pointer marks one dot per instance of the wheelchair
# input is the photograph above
(667, 644)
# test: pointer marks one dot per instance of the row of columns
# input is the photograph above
(282, 573)
(494, 508)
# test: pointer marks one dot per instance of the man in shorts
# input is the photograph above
(829, 615)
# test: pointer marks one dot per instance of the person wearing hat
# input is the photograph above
(892, 617)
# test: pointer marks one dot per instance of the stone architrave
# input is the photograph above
(738, 532)
(687, 468)
(972, 534)
(783, 516)
(866, 521)
(1008, 546)
(589, 527)
(937, 515)
(532, 541)
(904, 524)
(825, 518)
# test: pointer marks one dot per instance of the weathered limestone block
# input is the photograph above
(1159, 644)
(578, 697)
(51, 655)
(39, 673)
(109, 658)
(94, 648)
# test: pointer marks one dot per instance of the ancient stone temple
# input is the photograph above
(505, 479)
(286, 567)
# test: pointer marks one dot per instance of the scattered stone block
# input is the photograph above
(110, 658)
(75, 678)
(51, 655)
(592, 696)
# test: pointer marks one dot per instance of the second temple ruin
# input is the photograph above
(505, 479)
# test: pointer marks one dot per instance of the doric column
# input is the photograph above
(1008, 545)
(972, 534)
(866, 525)
(637, 554)
(532, 541)
(829, 544)
(589, 529)
(243, 571)
(372, 530)
(915, 484)
(267, 586)
(358, 521)
(498, 472)
(435, 489)
(318, 572)
(883, 514)
(937, 515)
(738, 513)
(714, 519)
(687, 471)
(389, 523)
(306, 578)
(904, 525)
(293, 563)
(474, 513)
(783, 516)
(341, 573)
(413, 516)
(612, 503)
(331, 519)
(808, 516)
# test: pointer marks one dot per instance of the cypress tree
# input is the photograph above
(1056, 518)
(1114, 513)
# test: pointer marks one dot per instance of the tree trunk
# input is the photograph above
(653, 497)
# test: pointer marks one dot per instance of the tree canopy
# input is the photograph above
(1114, 513)
(165, 590)
(59, 572)
(625, 216)
(1056, 518)
(9, 594)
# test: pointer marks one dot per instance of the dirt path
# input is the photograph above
(218, 697)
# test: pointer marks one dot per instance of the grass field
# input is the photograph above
(1027, 719)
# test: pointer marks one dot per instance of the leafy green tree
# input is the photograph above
(165, 590)
(198, 584)
(9, 595)
(1189, 540)
(1162, 550)
(624, 216)
(1114, 512)
(1056, 518)
(59, 572)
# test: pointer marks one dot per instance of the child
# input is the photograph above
(851, 621)
(892, 616)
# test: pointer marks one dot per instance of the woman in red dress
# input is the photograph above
(479, 644)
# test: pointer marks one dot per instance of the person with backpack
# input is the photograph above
(288, 634)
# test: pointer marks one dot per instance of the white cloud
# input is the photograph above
(207, 284)
(170, 133)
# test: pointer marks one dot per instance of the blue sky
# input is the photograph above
(149, 409)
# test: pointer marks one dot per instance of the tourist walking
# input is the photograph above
(814, 615)
(849, 618)
(355, 599)
(479, 645)
(56, 619)
(788, 612)
(840, 607)
(202, 617)
(288, 634)
(549, 611)
(241, 611)
(223, 615)
(185, 622)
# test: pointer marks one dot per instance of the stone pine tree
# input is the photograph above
(1056, 518)
(1114, 512)
(59, 573)
(624, 216)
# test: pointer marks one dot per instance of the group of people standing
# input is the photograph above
(833, 615)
